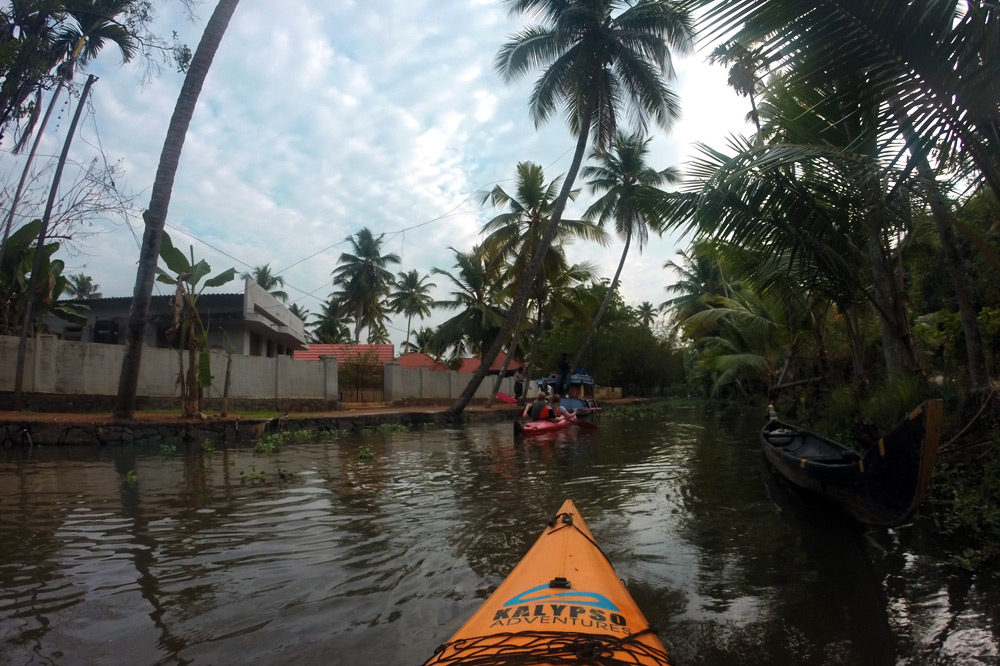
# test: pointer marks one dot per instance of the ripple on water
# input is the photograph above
(337, 560)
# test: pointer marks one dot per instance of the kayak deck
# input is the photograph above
(562, 604)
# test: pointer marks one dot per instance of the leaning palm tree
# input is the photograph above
(268, 281)
(363, 279)
(412, 297)
(159, 202)
(81, 286)
(628, 185)
(602, 58)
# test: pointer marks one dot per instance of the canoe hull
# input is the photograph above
(884, 487)
(560, 605)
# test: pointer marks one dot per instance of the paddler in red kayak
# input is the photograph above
(537, 410)
(540, 410)
(557, 411)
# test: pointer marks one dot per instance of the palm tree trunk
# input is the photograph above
(856, 338)
(604, 305)
(406, 345)
(159, 202)
(16, 200)
(891, 329)
(979, 377)
(515, 341)
(36, 268)
(520, 301)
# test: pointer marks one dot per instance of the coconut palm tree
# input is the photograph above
(930, 66)
(81, 286)
(269, 282)
(159, 202)
(298, 311)
(332, 325)
(745, 64)
(933, 62)
(412, 297)
(628, 185)
(701, 279)
(647, 313)
(476, 294)
(29, 60)
(363, 279)
(602, 58)
(513, 236)
(424, 343)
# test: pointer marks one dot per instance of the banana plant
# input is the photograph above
(187, 327)
(15, 272)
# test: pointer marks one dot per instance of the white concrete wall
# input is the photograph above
(86, 368)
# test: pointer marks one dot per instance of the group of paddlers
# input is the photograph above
(547, 408)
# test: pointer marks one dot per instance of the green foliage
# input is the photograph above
(208, 446)
(366, 452)
(15, 274)
(891, 402)
(167, 451)
(392, 427)
(271, 443)
(252, 476)
(131, 478)
(623, 352)
(967, 497)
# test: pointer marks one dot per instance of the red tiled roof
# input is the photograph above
(470, 365)
(380, 354)
(413, 361)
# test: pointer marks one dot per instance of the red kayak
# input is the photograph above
(544, 426)
(539, 427)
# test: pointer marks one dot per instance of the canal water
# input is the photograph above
(372, 548)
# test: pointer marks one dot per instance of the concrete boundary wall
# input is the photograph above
(61, 367)
(56, 366)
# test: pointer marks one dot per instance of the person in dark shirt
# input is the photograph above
(537, 410)
(562, 382)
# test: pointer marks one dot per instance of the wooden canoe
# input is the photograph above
(882, 487)
(562, 604)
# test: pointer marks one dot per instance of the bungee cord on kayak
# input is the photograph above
(577, 649)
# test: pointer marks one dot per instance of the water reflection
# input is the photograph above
(319, 556)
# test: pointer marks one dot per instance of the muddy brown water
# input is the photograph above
(316, 555)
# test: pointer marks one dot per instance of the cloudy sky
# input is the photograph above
(319, 118)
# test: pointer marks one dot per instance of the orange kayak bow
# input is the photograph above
(562, 604)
